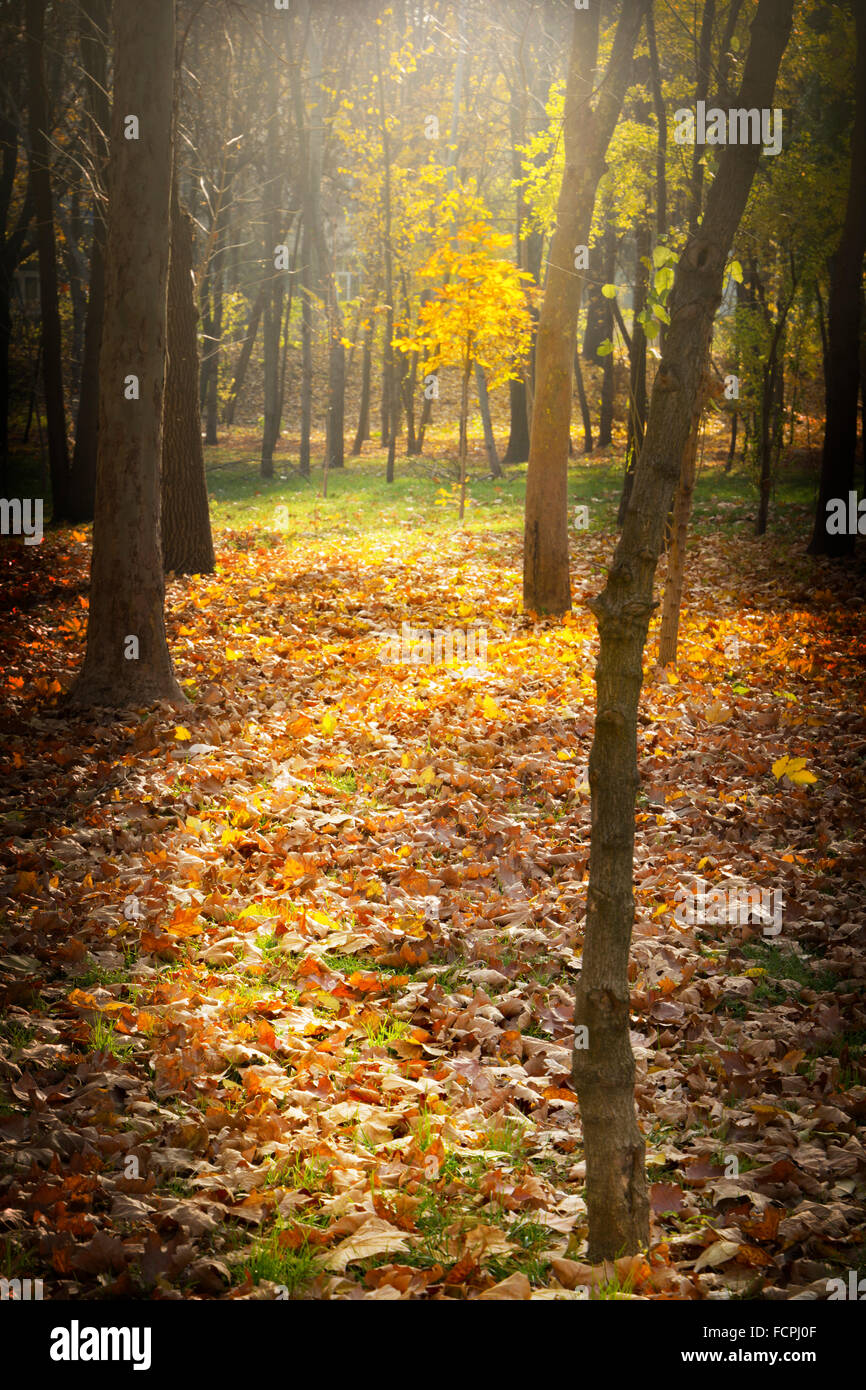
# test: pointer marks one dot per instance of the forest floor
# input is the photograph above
(286, 977)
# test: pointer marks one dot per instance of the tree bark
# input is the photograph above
(587, 130)
(362, 433)
(187, 544)
(843, 368)
(484, 407)
(673, 595)
(244, 358)
(127, 588)
(11, 252)
(52, 345)
(604, 1068)
(94, 20)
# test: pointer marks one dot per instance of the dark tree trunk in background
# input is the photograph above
(127, 589)
(214, 281)
(244, 358)
(843, 368)
(604, 1069)
(605, 418)
(487, 423)
(11, 250)
(517, 449)
(94, 18)
(273, 287)
(52, 346)
(586, 131)
(306, 352)
(637, 368)
(585, 414)
(187, 545)
(363, 431)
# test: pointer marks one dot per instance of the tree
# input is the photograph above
(127, 661)
(187, 545)
(478, 317)
(587, 129)
(93, 37)
(52, 346)
(843, 356)
(603, 1064)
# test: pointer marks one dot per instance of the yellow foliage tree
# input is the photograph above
(478, 313)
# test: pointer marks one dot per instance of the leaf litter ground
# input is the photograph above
(287, 977)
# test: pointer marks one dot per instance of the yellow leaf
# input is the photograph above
(801, 779)
(427, 776)
(181, 734)
(329, 724)
(232, 655)
(490, 709)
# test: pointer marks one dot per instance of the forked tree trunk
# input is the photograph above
(127, 661)
(187, 545)
(673, 595)
(587, 130)
(603, 1064)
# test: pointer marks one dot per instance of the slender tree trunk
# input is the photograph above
(94, 21)
(244, 358)
(587, 130)
(673, 594)
(11, 250)
(464, 424)
(637, 373)
(390, 392)
(187, 545)
(843, 369)
(52, 345)
(605, 418)
(363, 431)
(306, 354)
(585, 414)
(127, 661)
(484, 407)
(603, 1065)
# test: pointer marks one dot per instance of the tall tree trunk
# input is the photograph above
(215, 331)
(244, 356)
(464, 424)
(52, 345)
(585, 415)
(843, 369)
(587, 130)
(603, 1064)
(273, 287)
(127, 661)
(187, 545)
(362, 433)
(484, 407)
(11, 251)
(306, 353)
(390, 388)
(673, 595)
(94, 19)
(637, 372)
(605, 417)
